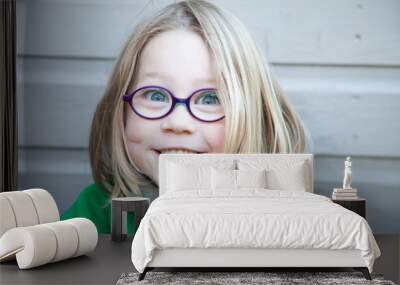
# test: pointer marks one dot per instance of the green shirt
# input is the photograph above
(94, 203)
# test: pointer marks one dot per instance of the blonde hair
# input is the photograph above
(258, 116)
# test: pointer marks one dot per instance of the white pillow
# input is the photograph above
(251, 178)
(228, 179)
(223, 179)
(292, 179)
(181, 177)
(282, 174)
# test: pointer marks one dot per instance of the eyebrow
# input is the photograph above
(153, 74)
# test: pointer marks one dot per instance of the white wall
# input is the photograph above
(338, 61)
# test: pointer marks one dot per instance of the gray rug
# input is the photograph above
(228, 278)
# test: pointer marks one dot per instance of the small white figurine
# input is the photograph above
(347, 174)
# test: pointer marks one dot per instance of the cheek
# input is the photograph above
(214, 135)
(139, 134)
(137, 130)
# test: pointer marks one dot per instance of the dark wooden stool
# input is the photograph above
(119, 207)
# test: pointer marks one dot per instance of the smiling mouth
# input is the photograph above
(175, 150)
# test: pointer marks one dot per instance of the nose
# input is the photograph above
(179, 121)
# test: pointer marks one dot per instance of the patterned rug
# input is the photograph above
(273, 278)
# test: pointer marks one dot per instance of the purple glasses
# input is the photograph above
(156, 102)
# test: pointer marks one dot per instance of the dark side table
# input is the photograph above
(358, 206)
(119, 207)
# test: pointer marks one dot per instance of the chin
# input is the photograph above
(152, 166)
(154, 176)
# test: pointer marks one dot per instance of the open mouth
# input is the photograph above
(176, 150)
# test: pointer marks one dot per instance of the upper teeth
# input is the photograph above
(176, 150)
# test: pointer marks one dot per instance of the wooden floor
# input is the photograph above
(388, 263)
(110, 259)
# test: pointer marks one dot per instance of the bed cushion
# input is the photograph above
(281, 174)
(291, 179)
(251, 178)
(231, 180)
(182, 177)
(186, 173)
(223, 179)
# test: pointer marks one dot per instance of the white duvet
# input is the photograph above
(253, 218)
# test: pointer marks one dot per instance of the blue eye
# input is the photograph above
(156, 96)
(208, 98)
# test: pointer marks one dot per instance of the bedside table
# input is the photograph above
(138, 205)
(358, 206)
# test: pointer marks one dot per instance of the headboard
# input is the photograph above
(217, 158)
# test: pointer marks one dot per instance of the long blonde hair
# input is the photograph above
(258, 116)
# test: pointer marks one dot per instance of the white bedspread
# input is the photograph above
(252, 218)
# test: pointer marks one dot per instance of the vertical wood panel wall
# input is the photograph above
(338, 61)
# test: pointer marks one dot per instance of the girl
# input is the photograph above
(189, 79)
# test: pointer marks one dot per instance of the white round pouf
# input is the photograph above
(32, 246)
(23, 208)
(45, 205)
(67, 239)
(40, 244)
(7, 218)
(87, 235)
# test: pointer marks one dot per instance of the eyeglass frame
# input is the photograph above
(175, 100)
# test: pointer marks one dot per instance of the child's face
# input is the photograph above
(179, 61)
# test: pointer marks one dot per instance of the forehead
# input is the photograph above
(178, 59)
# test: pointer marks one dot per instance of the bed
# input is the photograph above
(247, 210)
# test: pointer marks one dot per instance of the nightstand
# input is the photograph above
(358, 206)
(119, 207)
